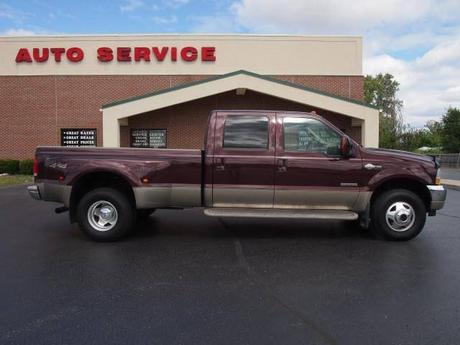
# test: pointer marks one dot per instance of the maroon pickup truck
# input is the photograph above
(254, 164)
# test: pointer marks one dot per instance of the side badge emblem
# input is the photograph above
(348, 184)
(370, 166)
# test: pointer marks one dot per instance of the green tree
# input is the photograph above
(435, 133)
(411, 139)
(388, 132)
(451, 130)
(380, 91)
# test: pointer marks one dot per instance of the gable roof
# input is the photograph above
(113, 114)
(228, 75)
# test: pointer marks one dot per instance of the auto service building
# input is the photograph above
(158, 90)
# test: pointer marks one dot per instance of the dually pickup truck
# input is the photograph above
(254, 164)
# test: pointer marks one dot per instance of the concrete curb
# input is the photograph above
(452, 186)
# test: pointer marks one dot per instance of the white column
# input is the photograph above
(110, 129)
(370, 130)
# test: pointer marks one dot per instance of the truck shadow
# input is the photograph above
(196, 225)
(294, 229)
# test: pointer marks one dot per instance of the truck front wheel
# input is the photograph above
(105, 214)
(398, 215)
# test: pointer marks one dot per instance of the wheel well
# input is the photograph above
(414, 186)
(94, 180)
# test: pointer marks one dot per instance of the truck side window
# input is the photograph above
(304, 134)
(246, 132)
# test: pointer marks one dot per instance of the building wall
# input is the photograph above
(261, 54)
(33, 109)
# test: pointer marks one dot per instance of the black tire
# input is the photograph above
(145, 213)
(125, 214)
(406, 199)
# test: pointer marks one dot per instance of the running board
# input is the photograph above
(280, 213)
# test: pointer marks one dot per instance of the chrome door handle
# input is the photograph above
(219, 163)
(281, 162)
(370, 166)
(281, 165)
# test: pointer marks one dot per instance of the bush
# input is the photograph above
(26, 167)
(9, 166)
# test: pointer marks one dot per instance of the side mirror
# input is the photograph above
(345, 146)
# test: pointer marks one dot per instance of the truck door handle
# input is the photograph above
(281, 165)
(219, 163)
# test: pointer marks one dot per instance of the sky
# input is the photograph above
(418, 41)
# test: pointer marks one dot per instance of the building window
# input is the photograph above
(148, 137)
(246, 132)
(304, 134)
(76, 137)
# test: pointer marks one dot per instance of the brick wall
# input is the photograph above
(33, 109)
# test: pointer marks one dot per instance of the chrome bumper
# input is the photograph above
(34, 192)
(438, 196)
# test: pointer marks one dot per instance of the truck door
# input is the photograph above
(243, 161)
(310, 173)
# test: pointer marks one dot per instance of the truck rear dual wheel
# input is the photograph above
(105, 214)
(398, 215)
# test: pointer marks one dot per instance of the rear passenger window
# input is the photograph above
(246, 132)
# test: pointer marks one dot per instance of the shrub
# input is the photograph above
(9, 166)
(26, 167)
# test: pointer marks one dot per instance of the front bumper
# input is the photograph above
(438, 196)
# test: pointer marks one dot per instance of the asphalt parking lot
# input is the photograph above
(183, 278)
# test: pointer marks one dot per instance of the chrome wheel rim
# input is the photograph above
(102, 215)
(400, 216)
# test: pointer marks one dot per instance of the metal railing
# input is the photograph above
(449, 160)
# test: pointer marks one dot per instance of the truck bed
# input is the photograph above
(159, 177)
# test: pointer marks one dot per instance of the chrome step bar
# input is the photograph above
(280, 213)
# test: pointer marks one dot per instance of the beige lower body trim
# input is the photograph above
(243, 197)
(167, 196)
(208, 195)
(306, 199)
(364, 198)
(55, 193)
(315, 199)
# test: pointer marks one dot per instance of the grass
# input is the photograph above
(11, 180)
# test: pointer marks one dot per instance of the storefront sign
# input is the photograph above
(120, 54)
(76, 137)
(151, 138)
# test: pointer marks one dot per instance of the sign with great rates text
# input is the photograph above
(77, 137)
